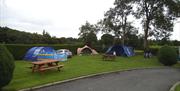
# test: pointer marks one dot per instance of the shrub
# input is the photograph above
(167, 56)
(6, 66)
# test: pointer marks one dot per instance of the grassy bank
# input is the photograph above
(177, 88)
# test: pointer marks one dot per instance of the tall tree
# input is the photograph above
(88, 33)
(47, 37)
(116, 19)
(106, 39)
(156, 16)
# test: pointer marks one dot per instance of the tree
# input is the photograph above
(91, 39)
(107, 39)
(132, 40)
(88, 33)
(116, 19)
(176, 43)
(156, 16)
(6, 66)
(47, 37)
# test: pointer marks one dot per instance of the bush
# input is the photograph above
(167, 56)
(6, 66)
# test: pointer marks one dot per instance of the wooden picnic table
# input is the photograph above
(45, 64)
(108, 57)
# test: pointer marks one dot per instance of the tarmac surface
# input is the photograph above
(156, 79)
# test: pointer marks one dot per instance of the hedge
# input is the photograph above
(154, 50)
(19, 50)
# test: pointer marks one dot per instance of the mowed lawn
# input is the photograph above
(177, 88)
(75, 67)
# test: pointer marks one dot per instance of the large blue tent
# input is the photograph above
(40, 52)
(121, 50)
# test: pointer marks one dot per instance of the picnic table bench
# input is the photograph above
(108, 57)
(45, 65)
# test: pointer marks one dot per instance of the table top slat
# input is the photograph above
(45, 61)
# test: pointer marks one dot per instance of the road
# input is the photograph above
(136, 80)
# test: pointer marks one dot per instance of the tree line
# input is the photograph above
(12, 36)
(156, 18)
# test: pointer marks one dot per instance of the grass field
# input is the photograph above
(75, 67)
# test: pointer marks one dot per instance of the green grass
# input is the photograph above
(75, 67)
(177, 88)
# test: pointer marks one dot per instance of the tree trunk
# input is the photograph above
(114, 41)
(146, 30)
(145, 39)
(124, 30)
(123, 38)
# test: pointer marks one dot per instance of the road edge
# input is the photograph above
(174, 86)
(91, 75)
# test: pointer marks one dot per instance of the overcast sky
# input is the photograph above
(61, 18)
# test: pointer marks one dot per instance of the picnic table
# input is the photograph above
(108, 57)
(45, 64)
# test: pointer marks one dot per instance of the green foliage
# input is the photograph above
(91, 39)
(176, 43)
(107, 39)
(154, 51)
(167, 56)
(19, 50)
(133, 40)
(11, 36)
(6, 66)
(117, 22)
(88, 33)
(177, 88)
(156, 17)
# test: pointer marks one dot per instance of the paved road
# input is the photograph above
(136, 80)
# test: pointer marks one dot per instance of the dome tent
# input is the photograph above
(87, 48)
(40, 52)
(121, 50)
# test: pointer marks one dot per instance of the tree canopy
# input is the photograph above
(88, 33)
(107, 39)
(116, 19)
(157, 17)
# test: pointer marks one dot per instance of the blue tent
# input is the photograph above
(40, 52)
(121, 50)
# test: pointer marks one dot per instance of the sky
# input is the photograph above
(60, 18)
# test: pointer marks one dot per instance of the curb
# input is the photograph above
(174, 86)
(87, 76)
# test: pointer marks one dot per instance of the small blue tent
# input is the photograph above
(121, 50)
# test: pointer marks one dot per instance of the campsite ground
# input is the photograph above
(75, 67)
